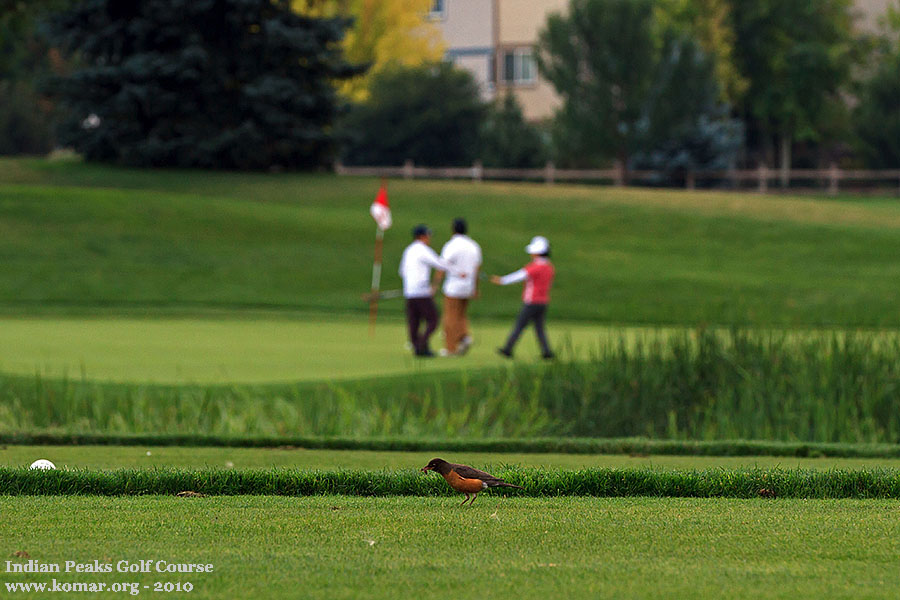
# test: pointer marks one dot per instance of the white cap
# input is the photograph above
(538, 245)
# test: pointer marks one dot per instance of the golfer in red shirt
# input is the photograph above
(538, 277)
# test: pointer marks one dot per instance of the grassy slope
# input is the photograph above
(106, 457)
(335, 548)
(75, 236)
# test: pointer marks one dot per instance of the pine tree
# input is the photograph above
(231, 84)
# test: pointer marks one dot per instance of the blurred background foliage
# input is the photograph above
(710, 84)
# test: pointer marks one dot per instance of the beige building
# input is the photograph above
(469, 30)
(494, 40)
(518, 24)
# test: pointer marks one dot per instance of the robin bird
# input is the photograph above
(465, 479)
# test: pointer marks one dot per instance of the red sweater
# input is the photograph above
(540, 273)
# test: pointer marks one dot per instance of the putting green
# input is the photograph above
(257, 350)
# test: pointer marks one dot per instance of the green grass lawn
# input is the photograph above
(337, 547)
(133, 457)
(179, 277)
(87, 238)
(256, 349)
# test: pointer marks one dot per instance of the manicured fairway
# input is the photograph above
(253, 350)
(385, 548)
(128, 457)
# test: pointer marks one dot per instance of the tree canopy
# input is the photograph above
(430, 114)
(628, 83)
(708, 22)
(384, 34)
(796, 57)
(877, 116)
(243, 84)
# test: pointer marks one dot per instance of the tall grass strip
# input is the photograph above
(600, 482)
(703, 385)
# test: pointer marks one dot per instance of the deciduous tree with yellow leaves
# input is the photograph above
(384, 33)
(708, 22)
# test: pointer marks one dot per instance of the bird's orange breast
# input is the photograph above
(461, 484)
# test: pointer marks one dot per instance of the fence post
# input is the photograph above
(408, 171)
(619, 176)
(763, 174)
(833, 176)
(477, 171)
(689, 181)
(549, 173)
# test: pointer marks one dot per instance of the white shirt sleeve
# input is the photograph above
(431, 259)
(514, 277)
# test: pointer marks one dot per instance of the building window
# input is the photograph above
(518, 67)
(509, 66)
(437, 9)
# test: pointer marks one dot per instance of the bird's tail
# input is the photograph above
(504, 484)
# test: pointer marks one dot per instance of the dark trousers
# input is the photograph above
(417, 310)
(530, 313)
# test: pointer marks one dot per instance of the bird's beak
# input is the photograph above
(426, 469)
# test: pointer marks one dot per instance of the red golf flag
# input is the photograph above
(380, 210)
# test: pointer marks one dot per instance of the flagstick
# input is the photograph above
(376, 281)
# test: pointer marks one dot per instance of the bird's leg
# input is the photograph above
(475, 495)
(466, 500)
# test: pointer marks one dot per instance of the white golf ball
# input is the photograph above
(42, 463)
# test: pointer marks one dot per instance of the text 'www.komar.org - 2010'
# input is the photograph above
(132, 588)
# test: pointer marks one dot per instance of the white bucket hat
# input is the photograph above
(538, 245)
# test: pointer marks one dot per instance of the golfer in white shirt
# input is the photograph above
(463, 255)
(415, 268)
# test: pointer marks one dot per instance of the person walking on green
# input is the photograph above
(416, 265)
(538, 277)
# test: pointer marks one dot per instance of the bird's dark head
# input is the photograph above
(437, 464)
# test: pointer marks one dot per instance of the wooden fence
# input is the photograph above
(761, 179)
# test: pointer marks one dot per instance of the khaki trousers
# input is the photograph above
(456, 322)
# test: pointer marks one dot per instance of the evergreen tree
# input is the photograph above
(26, 117)
(685, 126)
(508, 141)
(877, 117)
(631, 86)
(235, 84)
(430, 114)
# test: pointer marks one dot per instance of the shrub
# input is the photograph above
(25, 121)
(430, 114)
(508, 141)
